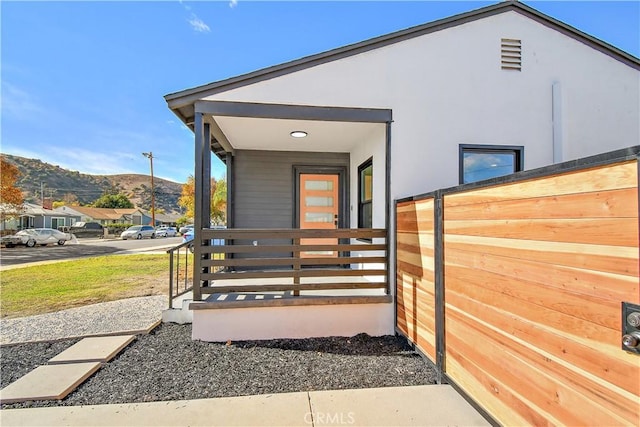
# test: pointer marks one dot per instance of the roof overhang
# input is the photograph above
(262, 126)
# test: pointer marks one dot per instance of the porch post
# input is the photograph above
(198, 128)
(230, 189)
(388, 214)
(206, 193)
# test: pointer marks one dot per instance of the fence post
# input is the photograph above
(439, 286)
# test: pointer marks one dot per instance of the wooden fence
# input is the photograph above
(531, 270)
(415, 273)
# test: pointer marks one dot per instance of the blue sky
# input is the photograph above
(83, 82)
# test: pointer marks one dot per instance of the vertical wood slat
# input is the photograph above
(296, 266)
(552, 320)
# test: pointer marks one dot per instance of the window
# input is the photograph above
(479, 162)
(57, 222)
(365, 194)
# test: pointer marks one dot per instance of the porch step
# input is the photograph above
(181, 315)
(252, 300)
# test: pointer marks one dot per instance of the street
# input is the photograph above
(81, 248)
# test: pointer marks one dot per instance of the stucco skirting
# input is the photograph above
(262, 323)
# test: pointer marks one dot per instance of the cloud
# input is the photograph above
(18, 103)
(198, 24)
(233, 3)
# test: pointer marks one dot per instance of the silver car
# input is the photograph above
(164, 231)
(138, 232)
(36, 236)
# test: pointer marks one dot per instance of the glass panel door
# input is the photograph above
(318, 209)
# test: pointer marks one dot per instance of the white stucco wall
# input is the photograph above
(371, 147)
(342, 320)
(447, 88)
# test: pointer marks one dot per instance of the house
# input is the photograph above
(331, 140)
(107, 216)
(166, 219)
(35, 216)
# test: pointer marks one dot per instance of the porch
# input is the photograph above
(303, 228)
(288, 283)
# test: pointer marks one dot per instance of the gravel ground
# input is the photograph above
(129, 314)
(168, 365)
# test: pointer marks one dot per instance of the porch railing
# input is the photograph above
(180, 270)
(292, 260)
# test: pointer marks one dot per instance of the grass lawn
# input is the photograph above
(58, 286)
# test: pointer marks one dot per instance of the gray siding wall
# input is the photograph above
(264, 185)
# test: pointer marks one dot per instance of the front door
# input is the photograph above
(318, 208)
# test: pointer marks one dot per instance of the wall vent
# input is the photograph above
(511, 54)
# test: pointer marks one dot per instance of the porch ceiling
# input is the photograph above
(248, 133)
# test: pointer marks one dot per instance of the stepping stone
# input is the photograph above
(48, 382)
(94, 349)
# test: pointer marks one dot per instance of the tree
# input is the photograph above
(113, 201)
(69, 199)
(219, 202)
(11, 198)
(218, 199)
(187, 196)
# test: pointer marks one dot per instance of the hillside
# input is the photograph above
(61, 184)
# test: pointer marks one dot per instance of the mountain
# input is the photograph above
(60, 184)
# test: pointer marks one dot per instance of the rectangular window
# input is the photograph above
(365, 194)
(57, 222)
(480, 162)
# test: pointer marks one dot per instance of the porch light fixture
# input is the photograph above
(298, 134)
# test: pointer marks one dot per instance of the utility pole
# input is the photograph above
(149, 156)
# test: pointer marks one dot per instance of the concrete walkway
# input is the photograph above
(431, 405)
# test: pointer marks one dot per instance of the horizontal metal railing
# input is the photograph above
(296, 259)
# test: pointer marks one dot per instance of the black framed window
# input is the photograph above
(365, 194)
(480, 162)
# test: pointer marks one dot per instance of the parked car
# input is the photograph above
(36, 236)
(138, 232)
(185, 228)
(164, 231)
(188, 236)
(87, 229)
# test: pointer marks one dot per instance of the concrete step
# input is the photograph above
(94, 349)
(48, 382)
(180, 315)
(66, 371)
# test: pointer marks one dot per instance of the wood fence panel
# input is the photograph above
(534, 276)
(415, 274)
